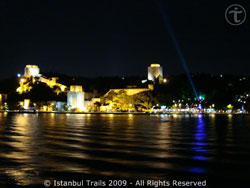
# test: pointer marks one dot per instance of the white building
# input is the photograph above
(155, 71)
(31, 70)
(26, 104)
(75, 98)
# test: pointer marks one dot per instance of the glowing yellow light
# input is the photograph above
(165, 80)
(175, 115)
(44, 108)
(76, 88)
(212, 115)
(31, 66)
(83, 108)
(62, 87)
(155, 65)
(21, 103)
(151, 86)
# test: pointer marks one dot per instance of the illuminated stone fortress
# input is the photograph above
(75, 98)
(32, 75)
(155, 71)
(31, 71)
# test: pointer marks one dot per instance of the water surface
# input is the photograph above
(36, 147)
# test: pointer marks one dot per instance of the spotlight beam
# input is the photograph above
(177, 47)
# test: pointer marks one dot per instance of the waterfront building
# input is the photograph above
(124, 99)
(60, 106)
(131, 91)
(155, 71)
(26, 104)
(92, 104)
(75, 98)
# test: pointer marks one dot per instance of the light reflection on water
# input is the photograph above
(49, 146)
(200, 140)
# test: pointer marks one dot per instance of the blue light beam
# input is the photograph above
(178, 49)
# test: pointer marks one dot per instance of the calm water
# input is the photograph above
(35, 147)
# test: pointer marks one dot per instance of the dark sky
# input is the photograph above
(120, 37)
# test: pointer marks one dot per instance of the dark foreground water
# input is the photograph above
(38, 147)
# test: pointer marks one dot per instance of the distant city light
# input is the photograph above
(242, 108)
(165, 80)
(163, 107)
(200, 107)
(18, 75)
(143, 81)
(229, 106)
(201, 98)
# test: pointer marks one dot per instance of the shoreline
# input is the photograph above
(115, 113)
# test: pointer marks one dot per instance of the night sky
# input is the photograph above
(120, 37)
